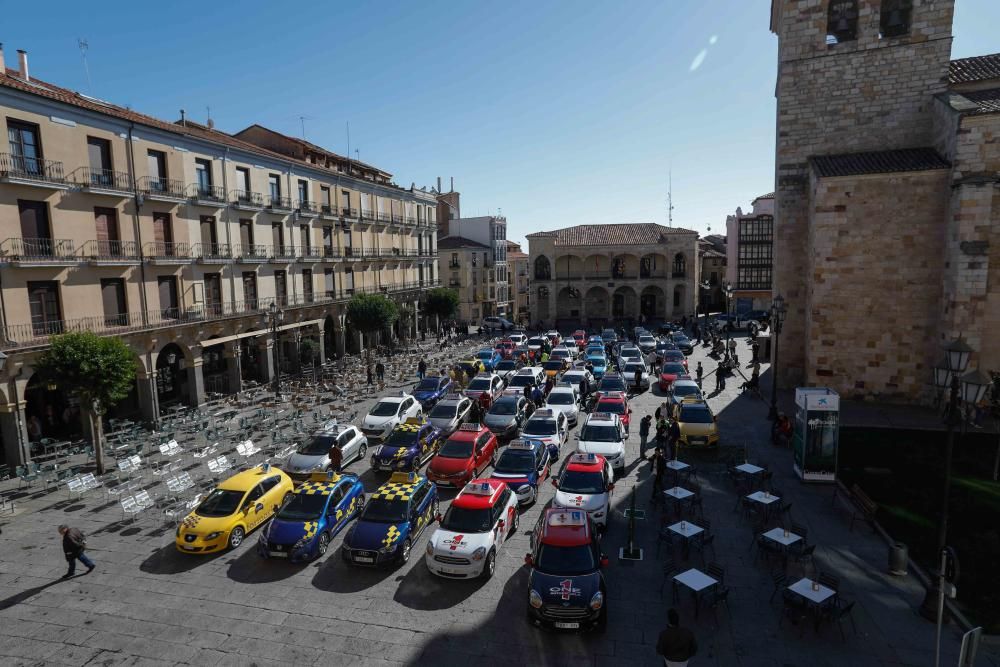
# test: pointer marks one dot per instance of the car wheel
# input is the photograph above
(515, 523)
(534, 495)
(323, 544)
(362, 451)
(236, 537)
(490, 566)
(404, 551)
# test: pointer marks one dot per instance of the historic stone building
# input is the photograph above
(520, 287)
(467, 268)
(598, 275)
(750, 254)
(887, 215)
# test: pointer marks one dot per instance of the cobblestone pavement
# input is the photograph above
(147, 604)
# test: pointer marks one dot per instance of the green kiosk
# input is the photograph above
(816, 434)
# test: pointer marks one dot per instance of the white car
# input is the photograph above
(565, 399)
(535, 344)
(647, 343)
(630, 352)
(506, 369)
(449, 413)
(577, 376)
(562, 353)
(526, 377)
(476, 526)
(314, 455)
(388, 413)
(586, 483)
(518, 338)
(604, 434)
(485, 383)
(548, 425)
(629, 374)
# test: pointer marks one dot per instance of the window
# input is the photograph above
(108, 241)
(324, 193)
(842, 21)
(274, 186)
(243, 178)
(113, 296)
(156, 163)
(894, 18)
(163, 234)
(246, 237)
(278, 238)
(209, 240)
(543, 270)
(167, 287)
(303, 191)
(281, 287)
(328, 283)
(99, 155)
(250, 289)
(43, 300)
(36, 234)
(25, 147)
(680, 265)
(306, 243)
(345, 196)
(307, 285)
(328, 242)
(213, 293)
(203, 173)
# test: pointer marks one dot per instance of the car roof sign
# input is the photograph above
(598, 415)
(583, 457)
(471, 426)
(414, 420)
(543, 412)
(519, 444)
(568, 518)
(403, 478)
(478, 489)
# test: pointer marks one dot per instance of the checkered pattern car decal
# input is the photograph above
(191, 520)
(391, 536)
(314, 488)
(395, 491)
(310, 529)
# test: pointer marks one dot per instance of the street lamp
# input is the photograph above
(275, 317)
(727, 290)
(705, 286)
(778, 310)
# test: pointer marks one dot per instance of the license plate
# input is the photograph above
(567, 626)
(184, 546)
(277, 554)
(364, 559)
(385, 467)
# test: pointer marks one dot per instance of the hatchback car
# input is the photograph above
(486, 383)
(647, 343)
(449, 413)
(314, 455)
(469, 451)
(430, 389)
(549, 426)
(388, 413)
(506, 368)
(506, 416)
(565, 399)
(490, 358)
(697, 424)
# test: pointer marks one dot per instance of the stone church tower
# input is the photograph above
(864, 184)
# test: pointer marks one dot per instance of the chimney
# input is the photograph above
(3, 68)
(210, 124)
(22, 57)
(183, 118)
(439, 184)
(452, 183)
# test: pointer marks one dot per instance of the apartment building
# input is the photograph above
(467, 267)
(178, 238)
(520, 283)
(749, 255)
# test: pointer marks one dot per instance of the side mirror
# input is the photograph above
(611, 487)
(555, 482)
(438, 517)
(260, 507)
(501, 524)
(528, 560)
(604, 561)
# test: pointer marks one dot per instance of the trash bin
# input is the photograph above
(898, 558)
(764, 352)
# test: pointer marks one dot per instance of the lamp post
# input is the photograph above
(727, 290)
(705, 286)
(778, 310)
(275, 317)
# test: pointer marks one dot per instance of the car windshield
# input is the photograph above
(486, 355)
(480, 384)
(515, 461)
(220, 502)
(613, 383)
(673, 369)
(596, 358)
(463, 520)
(599, 433)
(614, 407)
(428, 385)
(561, 398)
(579, 481)
(631, 354)
(303, 507)
(646, 340)
(443, 411)
(384, 409)
(559, 354)
(400, 438)
(575, 378)
(505, 406)
(521, 380)
(632, 368)
(693, 415)
(553, 365)
(565, 561)
(456, 449)
(507, 365)
(686, 390)
(539, 427)
(675, 355)
(535, 341)
(319, 445)
(380, 510)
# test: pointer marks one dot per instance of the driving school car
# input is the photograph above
(431, 389)
(475, 527)
(464, 455)
(585, 484)
(318, 510)
(393, 518)
(523, 465)
(408, 447)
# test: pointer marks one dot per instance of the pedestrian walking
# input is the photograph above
(422, 369)
(658, 414)
(476, 413)
(74, 544)
(673, 438)
(371, 378)
(644, 425)
(698, 372)
(697, 333)
(485, 401)
(754, 352)
(676, 645)
(638, 380)
(659, 472)
(718, 378)
(336, 456)
(732, 350)
(380, 372)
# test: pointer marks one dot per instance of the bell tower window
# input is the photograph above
(894, 18)
(842, 21)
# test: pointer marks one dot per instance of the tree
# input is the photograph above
(308, 351)
(441, 302)
(370, 313)
(99, 371)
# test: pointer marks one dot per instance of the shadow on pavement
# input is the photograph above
(336, 576)
(249, 568)
(18, 598)
(421, 590)
(167, 560)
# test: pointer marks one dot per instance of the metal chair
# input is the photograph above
(716, 571)
(669, 570)
(830, 581)
(837, 611)
(780, 583)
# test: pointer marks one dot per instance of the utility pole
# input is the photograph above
(670, 198)
(83, 46)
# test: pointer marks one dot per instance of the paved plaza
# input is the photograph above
(147, 604)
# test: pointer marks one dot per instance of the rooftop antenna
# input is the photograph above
(209, 123)
(357, 155)
(670, 198)
(83, 46)
(303, 119)
(348, 146)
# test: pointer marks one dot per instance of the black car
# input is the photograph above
(506, 416)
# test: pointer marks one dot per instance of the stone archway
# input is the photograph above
(543, 268)
(652, 303)
(624, 304)
(597, 306)
(50, 412)
(568, 303)
(624, 267)
(542, 300)
(172, 385)
(678, 308)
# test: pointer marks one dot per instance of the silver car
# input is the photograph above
(449, 413)
(630, 372)
(313, 456)
(506, 416)
(647, 343)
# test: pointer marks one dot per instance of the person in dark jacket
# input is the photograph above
(421, 369)
(336, 458)
(644, 434)
(676, 645)
(380, 371)
(673, 438)
(74, 544)
(659, 472)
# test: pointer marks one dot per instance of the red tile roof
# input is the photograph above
(977, 68)
(879, 162)
(641, 233)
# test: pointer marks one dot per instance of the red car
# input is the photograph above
(671, 371)
(580, 336)
(505, 348)
(615, 403)
(469, 451)
(675, 356)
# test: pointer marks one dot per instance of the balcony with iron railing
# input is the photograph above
(331, 253)
(102, 181)
(367, 214)
(383, 217)
(111, 252)
(349, 212)
(283, 254)
(281, 205)
(40, 252)
(329, 212)
(21, 170)
(167, 252)
(310, 253)
(410, 220)
(207, 195)
(251, 253)
(212, 253)
(397, 219)
(454, 264)
(247, 200)
(308, 208)
(162, 189)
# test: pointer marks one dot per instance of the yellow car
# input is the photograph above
(234, 508)
(555, 367)
(473, 366)
(697, 424)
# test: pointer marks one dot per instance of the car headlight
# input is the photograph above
(212, 536)
(430, 549)
(479, 553)
(598, 515)
(301, 543)
(378, 451)
(597, 601)
(534, 599)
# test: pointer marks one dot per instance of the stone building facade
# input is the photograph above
(887, 214)
(520, 286)
(467, 267)
(750, 253)
(599, 275)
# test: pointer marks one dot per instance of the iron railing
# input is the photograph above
(38, 249)
(308, 207)
(284, 252)
(102, 179)
(349, 212)
(367, 214)
(211, 251)
(330, 251)
(154, 186)
(251, 251)
(166, 250)
(327, 210)
(110, 249)
(31, 168)
(247, 199)
(207, 193)
(280, 204)
(384, 217)
(410, 220)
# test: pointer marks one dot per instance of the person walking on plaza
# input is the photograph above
(336, 456)
(754, 352)
(371, 378)
(719, 385)
(644, 434)
(380, 372)
(659, 472)
(673, 438)
(74, 544)
(476, 413)
(485, 401)
(422, 369)
(676, 645)
(732, 350)
(527, 391)
(698, 372)
(697, 333)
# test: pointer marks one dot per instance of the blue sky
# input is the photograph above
(558, 113)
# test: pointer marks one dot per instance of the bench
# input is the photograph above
(860, 504)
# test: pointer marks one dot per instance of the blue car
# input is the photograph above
(600, 363)
(430, 390)
(523, 466)
(318, 510)
(489, 357)
(395, 516)
(409, 446)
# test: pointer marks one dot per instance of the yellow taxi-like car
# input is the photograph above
(233, 508)
(472, 366)
(555, 367)
(697, 424)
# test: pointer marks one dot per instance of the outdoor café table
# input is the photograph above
(782, 537)
(676, 470)
(765, 499)
(677, 465)
(687, 530)
(696, 581)
(804, 588)
(748, 473)
(678, 494)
